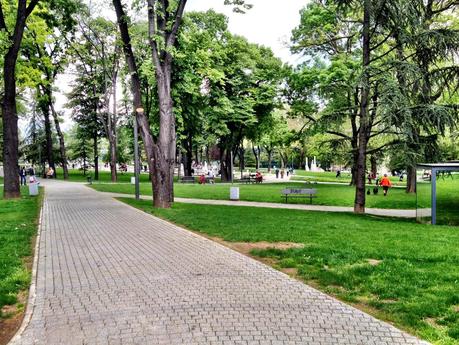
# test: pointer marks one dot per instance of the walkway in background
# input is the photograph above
(111, 274)
(305, 207)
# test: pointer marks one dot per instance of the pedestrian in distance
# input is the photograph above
(22, 175)
(385, 183)
(282, 173)
(277, 172)
(50, 173)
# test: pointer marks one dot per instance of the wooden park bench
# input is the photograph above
(187, 179)
(299, 193)
(247, 179)
(210, 180)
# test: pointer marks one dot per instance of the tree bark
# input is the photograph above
(226, 164)
(411, 179)
(374, 167)
(256, 153)
(45, 107)
(95, 139)
(11, 188)
(112, 124)
(141, 119)
(359, 203)
(60, 135)
(270, 159)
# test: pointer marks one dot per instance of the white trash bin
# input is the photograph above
(33, 188)
(234, 193)
(133, 180)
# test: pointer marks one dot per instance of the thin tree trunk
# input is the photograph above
(270, 159)
(45, 109)
(60, 135)
(96, 155)
(359, 203)
(374, 167)
(112, 123)
(141, 118)
(256, 153)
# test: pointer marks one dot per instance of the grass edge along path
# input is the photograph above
(18, 231)
(396, 270)
(327, 194)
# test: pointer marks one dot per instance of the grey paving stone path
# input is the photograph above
(110, 274)
(399, 213)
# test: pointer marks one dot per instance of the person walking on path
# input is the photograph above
(277, 172)
(22, 175)
(385, 183)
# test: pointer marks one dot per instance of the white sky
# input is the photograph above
(269, 23)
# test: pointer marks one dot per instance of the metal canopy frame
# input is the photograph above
(436, 167)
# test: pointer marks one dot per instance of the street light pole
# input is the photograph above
(136, 155)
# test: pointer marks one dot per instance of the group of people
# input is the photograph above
(282, 172)
(384, 182)
(23, 172)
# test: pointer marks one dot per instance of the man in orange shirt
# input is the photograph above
(385, 183)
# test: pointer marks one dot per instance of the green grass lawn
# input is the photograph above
(76, 175)
(335, 195)
(412, 282)
(18, 225)
(330, 176)
(1, 180)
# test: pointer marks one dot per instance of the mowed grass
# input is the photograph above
(331, 195)
(76, 175)
(397, 270)
(18, 225)
(330, 176)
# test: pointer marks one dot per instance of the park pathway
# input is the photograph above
(110, 274)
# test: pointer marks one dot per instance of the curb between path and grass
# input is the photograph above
(32, 289)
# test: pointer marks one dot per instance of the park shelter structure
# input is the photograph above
(437, 193)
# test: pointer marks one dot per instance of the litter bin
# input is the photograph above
(89, 178)
(132, 179)
(33, 188)
(234, 193)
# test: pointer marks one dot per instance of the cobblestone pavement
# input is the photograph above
(400, 213)
(110, 274)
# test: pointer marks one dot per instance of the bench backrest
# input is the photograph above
(299, 191)
(187, 178)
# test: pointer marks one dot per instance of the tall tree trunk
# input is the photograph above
(164, 152)
(11, 188)
(45, 109)
(241, 157)
(112, 137)
(226, 163)
(359, 203)
(411, 179)
(374, 166)
(95, 139)
(256, 153)
(188, 154)
(270, 159)
(141, 118)
(60, 135)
